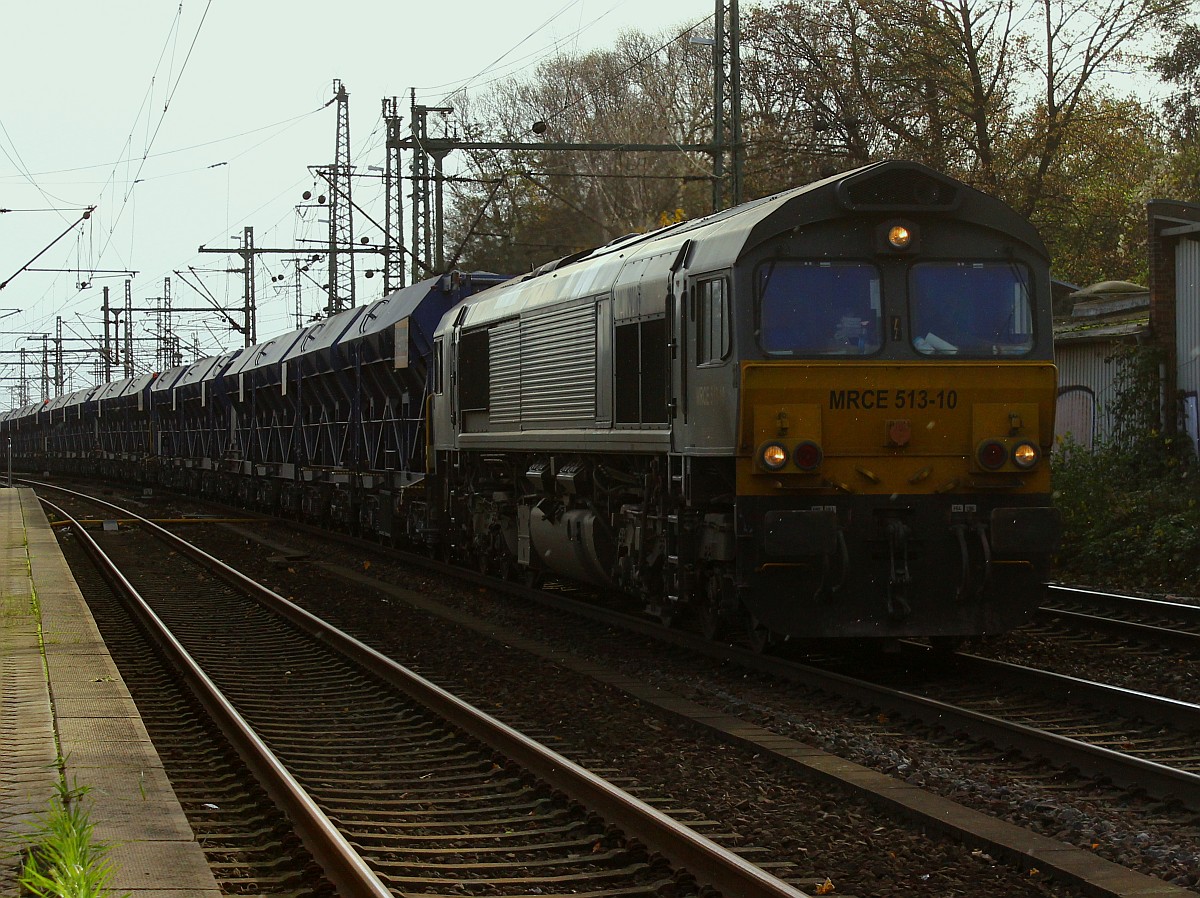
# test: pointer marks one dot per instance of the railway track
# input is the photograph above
(932, 710)
(940, 715)
(1133, 739)
(392, 783)
(247, 840)
(1155, 621)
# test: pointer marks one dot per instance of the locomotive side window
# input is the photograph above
(473, 367)
(971, 308)
(435, 380)
(640, 375)
(819, 308)
(654, 371)
(626, 353)
(712, 321)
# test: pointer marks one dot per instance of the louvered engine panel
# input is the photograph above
(558, 374)
(504, 392)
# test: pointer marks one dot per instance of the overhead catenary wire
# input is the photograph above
(145, 155)
(466, 85)
(110, 238)
(84, 217)
(162, 117)
(184, 149)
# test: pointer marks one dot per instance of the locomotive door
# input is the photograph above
(645, 389)
(712, 377)
(452, 385)
(677, 361)
(678, 340)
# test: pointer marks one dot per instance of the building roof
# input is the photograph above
(1105, 288)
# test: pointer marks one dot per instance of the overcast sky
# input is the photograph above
(185, 122)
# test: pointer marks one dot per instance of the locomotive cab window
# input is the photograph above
(819, 308)
(712, 321)
(971, 308)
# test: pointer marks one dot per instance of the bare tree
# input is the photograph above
(1081, 42)
(1180, 66)
(553, 202)
(1012, 95)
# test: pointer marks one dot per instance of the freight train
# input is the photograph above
(824, 413)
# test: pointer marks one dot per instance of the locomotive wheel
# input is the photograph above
(507, 568)
(758, 635)
(712, 614)
(668, 614)
(712, 626)
(945, 646)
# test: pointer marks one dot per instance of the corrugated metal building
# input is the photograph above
(1175, 306)
(1112, 315)
(1187, 327)
(1105, 318)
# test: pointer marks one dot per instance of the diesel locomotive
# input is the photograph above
(825, 413)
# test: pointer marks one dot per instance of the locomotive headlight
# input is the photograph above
(773, 456)
(808, 456)
(899, 236)
(992, 455)
(1025, 455)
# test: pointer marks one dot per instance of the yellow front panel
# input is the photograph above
(894, 427)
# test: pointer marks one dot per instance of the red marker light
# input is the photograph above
(808, 456)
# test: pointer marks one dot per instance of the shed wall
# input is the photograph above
(1187, 333)
(1086, 390)
(1187, 314)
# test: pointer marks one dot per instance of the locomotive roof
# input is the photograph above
(720, 239)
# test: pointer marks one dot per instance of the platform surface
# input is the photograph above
(66, 717)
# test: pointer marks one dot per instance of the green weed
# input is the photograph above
(1131, 507)
(66, 861)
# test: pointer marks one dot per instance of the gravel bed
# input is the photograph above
(829, 833)
(826, 833)
(1141, 838)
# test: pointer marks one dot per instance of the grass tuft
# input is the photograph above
(66, 861)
